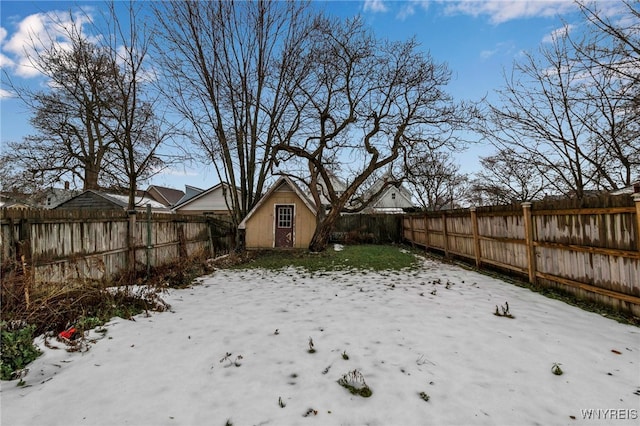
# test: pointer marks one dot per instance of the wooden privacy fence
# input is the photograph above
(592, 252)
(66, 246)
(368, 228)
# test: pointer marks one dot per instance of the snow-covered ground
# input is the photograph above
(431, 331)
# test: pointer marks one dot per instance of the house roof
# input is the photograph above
(626, 190)
(189, 193)
(14, 205)
(98, 199)
(377, 202)
(283, 180)
(382, 180)
(339, 186)
(123, 200)
(169, 195)
(192, 194)
(400, 190)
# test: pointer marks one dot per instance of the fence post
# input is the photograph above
(12, 244)
(212, 248)
(445, 235)
(24, 254)
(636, 198)
(131, 241)
(148, 240)
(182, 242)
(528, 232)
(476, 235)
(413, 232)
(426, 232)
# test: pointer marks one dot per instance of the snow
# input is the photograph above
(477, 368)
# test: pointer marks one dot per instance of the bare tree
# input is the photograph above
(138, 131)
(364, 104)
(571, 109)
(71, 140)
(436, 181)
(226, 71)
(614, 43)
(509, 177)
(97, 122)
(539, 116)
(610, 54)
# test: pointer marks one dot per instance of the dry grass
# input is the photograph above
(86, 304)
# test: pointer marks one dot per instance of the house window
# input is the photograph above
(285, 216)
(393, 195)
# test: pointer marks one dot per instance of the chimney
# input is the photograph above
(66, 185)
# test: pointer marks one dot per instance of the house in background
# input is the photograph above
(394, 199)
(189, 193)
(41, 199)
(283, 218)
(216, 200)
(8, 201)
(169, 197)
(634, 188)
(51, 197)
(339, 186)
(98, 200)
(14, 200)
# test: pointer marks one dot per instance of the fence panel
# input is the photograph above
(502, 240)
(368, 228)
(460, 236)
(73, 247)
(592, 251)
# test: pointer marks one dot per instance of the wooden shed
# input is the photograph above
(283, 218)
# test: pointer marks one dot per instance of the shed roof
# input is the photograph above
(283, 180)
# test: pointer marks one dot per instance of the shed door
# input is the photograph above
(284, 226)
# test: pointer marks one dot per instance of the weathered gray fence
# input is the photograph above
(368, 228)
(63, 246)
(592, 251)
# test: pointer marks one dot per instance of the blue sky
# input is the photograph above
(477, 39)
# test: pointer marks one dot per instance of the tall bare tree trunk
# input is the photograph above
(324, 228)
(91, 177)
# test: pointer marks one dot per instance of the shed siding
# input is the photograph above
(259, 228)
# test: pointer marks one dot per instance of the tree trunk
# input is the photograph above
(325, 226)
(90, 177)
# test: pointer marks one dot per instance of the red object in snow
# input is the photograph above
(68, 334)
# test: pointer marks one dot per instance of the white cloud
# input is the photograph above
(486, 54)
(19, 44)
(409, 8)
(5, 62)
(558, 33)
(5, 94)
(504, 48)
(35, 33)
(184, 172)
(500, 11)
(375, 6)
